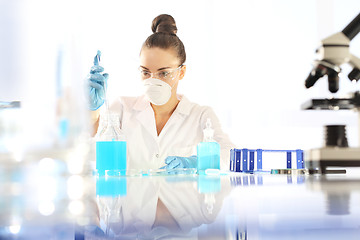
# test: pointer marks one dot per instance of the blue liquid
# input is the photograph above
(111, 186)
(209, 184)
(110, 155)
(208, 154)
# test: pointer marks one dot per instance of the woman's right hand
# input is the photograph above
(97, 84)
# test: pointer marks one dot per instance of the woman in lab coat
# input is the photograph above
(162, 127)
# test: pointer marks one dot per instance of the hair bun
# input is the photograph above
(164, 23)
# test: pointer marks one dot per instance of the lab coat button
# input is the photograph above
(157, 155)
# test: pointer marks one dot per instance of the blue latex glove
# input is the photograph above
(173, 162)
(97, 84)
(94, 231)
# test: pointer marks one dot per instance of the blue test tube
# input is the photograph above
(252, 154)
(259, 159)
(232, 159)
(237, 160)
(299, 159)
(288, 160)
(244, 159)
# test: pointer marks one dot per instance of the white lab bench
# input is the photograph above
(231, 206)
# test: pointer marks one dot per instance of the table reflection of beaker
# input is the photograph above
(109, 192)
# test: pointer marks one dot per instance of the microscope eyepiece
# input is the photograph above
(353, 28)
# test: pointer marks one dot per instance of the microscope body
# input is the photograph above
(335, 49)
(332, 53)
(322, 159)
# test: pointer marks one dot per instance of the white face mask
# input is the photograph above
(157, 91)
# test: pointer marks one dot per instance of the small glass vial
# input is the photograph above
(208, 151)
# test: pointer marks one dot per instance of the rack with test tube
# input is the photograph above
(243, 160)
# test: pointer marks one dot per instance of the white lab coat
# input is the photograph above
(179, 137)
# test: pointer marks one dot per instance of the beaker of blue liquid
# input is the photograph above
(111, 148)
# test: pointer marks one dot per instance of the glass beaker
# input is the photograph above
(111, 147)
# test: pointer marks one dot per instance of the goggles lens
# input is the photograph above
(165, 75)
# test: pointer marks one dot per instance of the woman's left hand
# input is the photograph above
(173, 162)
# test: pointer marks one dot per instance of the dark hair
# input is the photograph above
(164, 36)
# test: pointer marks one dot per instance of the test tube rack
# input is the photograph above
(243, 160)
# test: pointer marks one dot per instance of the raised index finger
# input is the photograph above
(97, 58)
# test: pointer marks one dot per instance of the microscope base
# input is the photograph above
(318, 160)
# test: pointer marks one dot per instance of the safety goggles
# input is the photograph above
(164, 75)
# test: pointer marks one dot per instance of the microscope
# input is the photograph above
(332, 53)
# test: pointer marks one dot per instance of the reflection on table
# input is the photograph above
(186, 206)
(158, 206)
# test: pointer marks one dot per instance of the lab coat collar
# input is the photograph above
(184, 106)
(146, 114)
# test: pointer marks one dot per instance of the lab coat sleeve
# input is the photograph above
(219, 136)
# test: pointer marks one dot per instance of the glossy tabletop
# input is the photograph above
(181, 206)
